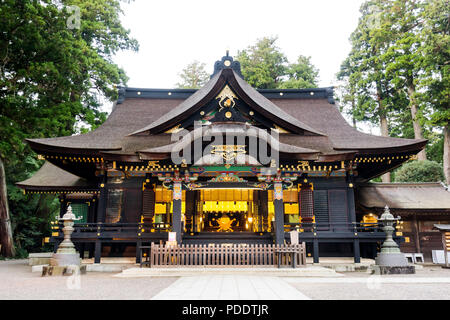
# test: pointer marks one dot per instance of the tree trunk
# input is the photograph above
(385, 133)
(383, 126)
(447, 153)
(353, 113)
(6, 237)
(416, 125)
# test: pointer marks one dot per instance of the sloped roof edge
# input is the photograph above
(211, 89)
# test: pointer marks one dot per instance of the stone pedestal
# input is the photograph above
(391, 259)
(63, 270)
(393, 269)
(65, 259)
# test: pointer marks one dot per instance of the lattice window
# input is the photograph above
(80, 210)
(148, 203)
(321, 209)
(306, 203)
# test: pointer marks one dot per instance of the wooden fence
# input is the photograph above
(226, 255)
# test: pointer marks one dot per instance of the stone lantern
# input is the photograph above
(66, 255)
(390, 260)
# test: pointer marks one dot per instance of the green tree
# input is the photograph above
(434, 84)
(420, 171)
(55, 65)
(400, 54)
(193, 76)
(403, 58)
(263, 64)
(301, 74)
(369, 88)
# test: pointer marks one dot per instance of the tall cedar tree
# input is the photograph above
(56, 64)
(369, 86)
(400, 56)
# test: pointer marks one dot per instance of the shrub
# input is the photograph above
(420, 171)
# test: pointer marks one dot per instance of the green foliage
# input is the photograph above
(302, 74)
(420, 171)
(398, 68)
(369, 91)
(193, 76)
(435, 80)
(264, 66)
(53, 76)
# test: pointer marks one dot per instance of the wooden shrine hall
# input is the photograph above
(224, 164)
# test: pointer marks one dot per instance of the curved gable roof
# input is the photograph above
(211, 89)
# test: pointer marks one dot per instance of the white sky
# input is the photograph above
(174, 33)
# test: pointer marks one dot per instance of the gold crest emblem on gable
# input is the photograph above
(226, 98)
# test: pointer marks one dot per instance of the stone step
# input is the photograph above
(309, 271)
(39, 258)
(107, 267)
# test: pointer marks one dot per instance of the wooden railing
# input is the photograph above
(226, 255)
(119, 227)
(334, 227)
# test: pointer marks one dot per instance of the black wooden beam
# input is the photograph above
(176, 223)
(98, 251)
(279, 221)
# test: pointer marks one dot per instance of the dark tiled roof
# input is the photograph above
(404, 196)
(133, 115)
(318, 113)
(50, 177)
(210, 90)
(125, 118)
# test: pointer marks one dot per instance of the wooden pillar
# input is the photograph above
(176, 218)
(63, 205)
(138, 251)
(82, 248)
(279, 212)
(415, 230)
(445, 238)
(191, 196)
(351, 204)
(197, 203)
(316, 250)
(55, 245)
(91, 210)
(263, 210)
(356, 251)
(98, 251)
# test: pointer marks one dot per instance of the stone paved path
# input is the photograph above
(230, 287)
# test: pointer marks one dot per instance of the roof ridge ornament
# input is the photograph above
(227, 62)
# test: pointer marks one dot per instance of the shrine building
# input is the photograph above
(224, 164)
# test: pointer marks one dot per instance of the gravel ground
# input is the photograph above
(18, 282)
(429, 283)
